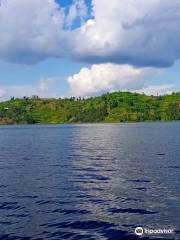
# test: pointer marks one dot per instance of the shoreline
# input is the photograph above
(89, 123)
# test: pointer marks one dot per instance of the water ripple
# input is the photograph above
(89, 182)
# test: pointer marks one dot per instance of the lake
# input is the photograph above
(89, 181)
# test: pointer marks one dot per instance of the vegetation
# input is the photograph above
(109, 108)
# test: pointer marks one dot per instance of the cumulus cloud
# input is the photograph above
(137, 32)
(108, 77)
(30, 30)
(100, 78)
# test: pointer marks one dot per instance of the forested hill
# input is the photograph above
(110, 107)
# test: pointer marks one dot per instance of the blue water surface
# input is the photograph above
(90, 182)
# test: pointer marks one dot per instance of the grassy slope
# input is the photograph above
(110, 107)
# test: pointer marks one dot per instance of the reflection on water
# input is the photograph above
(89, 181)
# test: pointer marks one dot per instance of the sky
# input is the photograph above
(61, 48)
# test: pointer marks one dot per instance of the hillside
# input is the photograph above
(110, 107)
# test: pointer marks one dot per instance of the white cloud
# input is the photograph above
(137, 32)
(30, 30)
(141, 33)
(108, 77)
(100, 78)
(157, 89)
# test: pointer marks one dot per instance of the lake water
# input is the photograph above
(90, 182)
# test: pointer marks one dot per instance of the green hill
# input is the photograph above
(110, 107)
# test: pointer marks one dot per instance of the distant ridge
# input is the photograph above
(108, 108)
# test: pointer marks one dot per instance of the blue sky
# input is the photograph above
(18, 74)
(74, 50)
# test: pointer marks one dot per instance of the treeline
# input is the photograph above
(110, 107)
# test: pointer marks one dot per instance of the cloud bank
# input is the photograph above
(101, 78)
(136, 32)
(107, 77)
